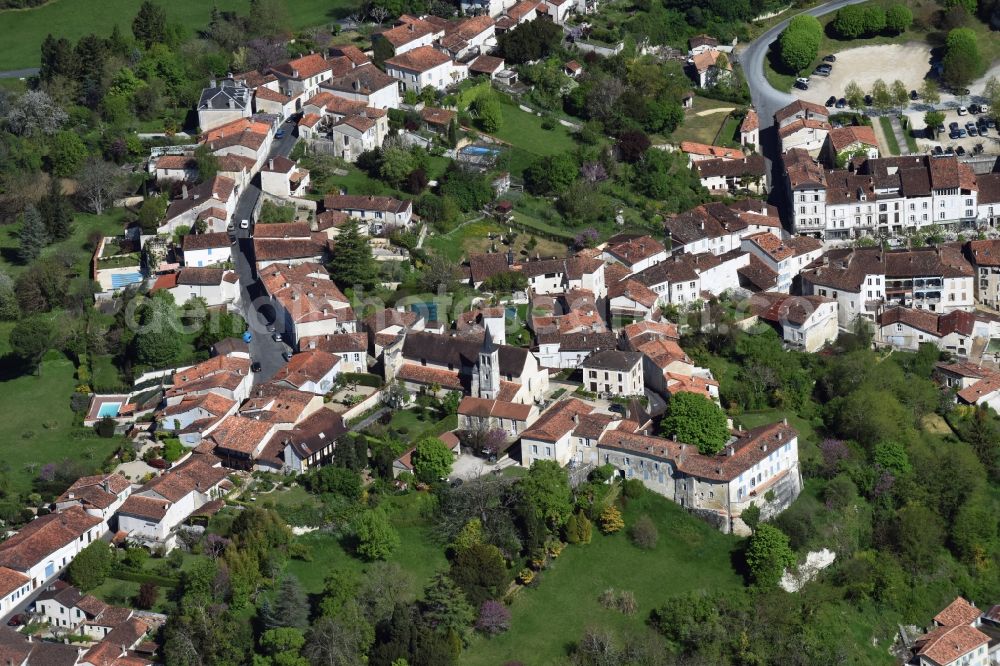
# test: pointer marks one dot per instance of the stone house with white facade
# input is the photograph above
(808, 323)
(425, 66)
(613, 373)
(41, 549)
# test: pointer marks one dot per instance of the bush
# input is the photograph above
(633, 489)
(611, 520)
(644, 533)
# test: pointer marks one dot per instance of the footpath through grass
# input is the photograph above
(548, 619)
(890, 134)
(24, 29)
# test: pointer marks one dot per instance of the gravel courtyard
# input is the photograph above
(909, 63)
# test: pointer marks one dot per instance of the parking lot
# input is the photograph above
(990, 142)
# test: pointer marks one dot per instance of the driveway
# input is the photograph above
(256, 307)
(468, 467)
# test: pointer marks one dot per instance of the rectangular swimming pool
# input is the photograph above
(108, 409)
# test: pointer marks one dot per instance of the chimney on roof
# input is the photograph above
(356, 85)
(411, 27)
(295, 73)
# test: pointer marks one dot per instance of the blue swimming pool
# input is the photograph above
(108, 409)
(428, 311)
(479, 150)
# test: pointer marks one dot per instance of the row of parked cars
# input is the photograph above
(825, 68)
(979, 127)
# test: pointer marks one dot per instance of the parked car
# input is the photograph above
(15, 620)
(244, 224)
(802, 79)
(978, 148)
(973, 131)
(831, 101)
(984, 130)
(279, 134)
(940, 128)
(984, 108)
(974, 109)
(287, 355)
(950, 150)
(255, 366)
(953, 134)
(841, 103)
(962, 133)
(962, 110)
(276, 337)
(960, 150)
(801, 85)
(821, 72)
(914, 94)
(938, 150)
(953, 126)
(830, 58)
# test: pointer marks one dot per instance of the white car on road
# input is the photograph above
(245, 224)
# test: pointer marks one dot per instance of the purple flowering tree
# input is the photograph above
(494, 618)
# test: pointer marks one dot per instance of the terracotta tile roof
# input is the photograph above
(636, 250)
(275, 403)
(803, 107)
(43, 536)
(680, 383)
(842, 138)
(99, 491)
(522, 9)
(695, 148)
(435, 116)
(486, 64)
(989, 188)
(360, 123)
(336, 343)
(663, 352)
(164, 281)
(448, 379)
(307, 366)
(283, 230)
(612, 359)
(944, 645)
(11, 580)
(982, 389)
(779, 250)
(634, 290)
(255, 79)
(271, 95)
(304, 67)
(352, 53)
(219, 188)
(219, 372)
(306, 291)
(708, 59)
(656, 329)
(746, 448)
(174, 162)
(309, 120)
(558, 420)
(483, 408)
(783, 308)
(365, 80)
(803, 123)
(848, 269)
(194, 474)
(802, 170)
(759, 275)
(201, 276)
(984, 252)
(580, 341)
(420, 59)
(349, 203)
(204, 241)
(236, 128)
(702, 40)
(388, 317)
(241, 434)
(957, 613)
(965, 369)
(409, 31)
(460, 352)
(750, 121)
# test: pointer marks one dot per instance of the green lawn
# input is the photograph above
(473, 238)
(890, 136)
(528, 139)
(38, 424)
(690, 555)
(109, 224)
(703, 129)
(24, 29)
(419, 555)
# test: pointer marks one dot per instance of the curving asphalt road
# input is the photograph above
(766, 99)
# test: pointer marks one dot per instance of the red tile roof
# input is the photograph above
(694, 148)
(483, 408)
(304, 67)
(11, 580)
(420, 59)
(43, 536)
(947, 644)
(958, 612)
(307, 366)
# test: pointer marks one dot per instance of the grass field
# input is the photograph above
(702, 129)
(38, 424)
(24, 29)
(109, 224)
(546, 620)
(528, 139)
(419, 555)
(473, 238)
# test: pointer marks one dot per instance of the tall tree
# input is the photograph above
(9, 309)
(695, 419)
(206, 162)
(100, 183)
(962, 59)
(30, 339)
(289, 606)
(66, 153)
(768, 555)
(57, 212)
(432, 460)
(546, 491)
(446, 608)
(32, 237)
(351, 263)
(150, 25)
(377, 538)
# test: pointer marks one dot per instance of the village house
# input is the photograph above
(308, 445)
(613, 373)
(555, 276)
(482, 415)
(99, 495)
(866, 281)
(379, 212)
(289, 244)
(974, 384)
(209, 249)
(487, 65)
(759, 466)
(672, 282)
(954, 639)
(474, 365)
(567, 432)
(117, 647)
(709, 67)
(223, 102)
(307, 301)
(352, 348)
(750, 130)
(666, 368)
(425, 66)
(152, 514)
(45, 546)
(311, 371)
(469, 37)
(557, 349)
(636, 253)
(803, 125)
(520, 12)
(988, 199)
(724, 177)
(250, 138)
(697, 152)
(984, 255)
(719, 227)
(786, 257)
(630, 300)
(411, 33)
(955, 332)
(69, 609)
(847, 143)
(217, 286)
(366, 84)
(14, 586)
(212, 202)
(556, 10)
(169, 168)
(226, 376)
(283, 178)
(195, 417)
(302, 76)
(808, 323)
